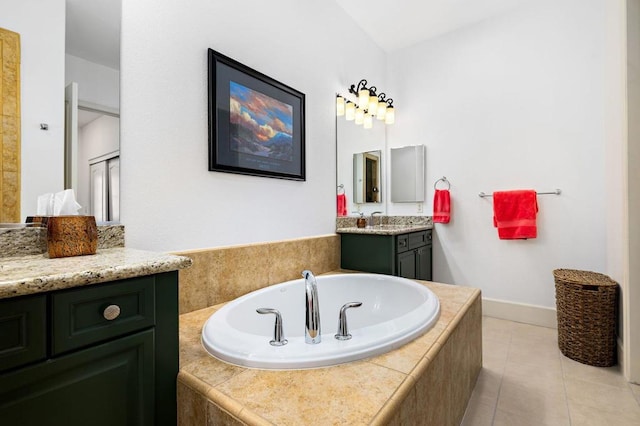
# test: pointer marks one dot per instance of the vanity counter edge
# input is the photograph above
(33, 274)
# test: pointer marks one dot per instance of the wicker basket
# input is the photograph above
(586, 306)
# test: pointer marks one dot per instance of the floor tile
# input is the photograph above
(533, 401)
(525, 380)
(494, 355)
(504, 418)
(608, 400)
(636, 391)
(496, 330)
(487, 387)
(585, 415)
(478, 414)
(602, 375)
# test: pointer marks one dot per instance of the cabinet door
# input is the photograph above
(23, 335)
(423, 263)
(407, 265)
(368, 253)
(109, 384)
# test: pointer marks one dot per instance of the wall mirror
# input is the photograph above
(366, 177)
(91, 57)
(408, 174)
(355, 148)
(92, 119)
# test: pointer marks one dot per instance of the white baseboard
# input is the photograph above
(620, 348)
(520, 312)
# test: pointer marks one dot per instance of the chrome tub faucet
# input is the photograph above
(312, 309)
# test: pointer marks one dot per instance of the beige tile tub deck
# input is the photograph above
(427, 381)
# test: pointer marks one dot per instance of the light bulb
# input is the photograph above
(390, 115)
(339, 106)
(359, 116)
(368, 121)
(350, 111)
(373, 105)
(381, 110)
(363, 98)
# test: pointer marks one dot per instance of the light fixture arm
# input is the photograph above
(362, 85)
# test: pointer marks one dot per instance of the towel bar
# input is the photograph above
(556, 192)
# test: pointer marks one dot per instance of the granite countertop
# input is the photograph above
(384, 229)
(36, 273)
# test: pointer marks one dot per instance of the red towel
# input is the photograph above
(342, 205)
(514, 214)
(441, 206)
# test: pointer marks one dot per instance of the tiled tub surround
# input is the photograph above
(222, 274)
(24, 241)
(427, 381)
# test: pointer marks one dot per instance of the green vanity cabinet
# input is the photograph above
(406, 255)
(110, 354)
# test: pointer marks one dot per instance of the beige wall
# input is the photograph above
(631, 299)
(222, 274)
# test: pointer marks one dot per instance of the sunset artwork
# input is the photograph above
(259, 124)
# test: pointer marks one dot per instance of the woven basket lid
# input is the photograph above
(574, 276)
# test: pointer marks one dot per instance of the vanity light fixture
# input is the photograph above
(390, 113)
(340, 106)
(350, 111)
(365, 103)
(368, 121)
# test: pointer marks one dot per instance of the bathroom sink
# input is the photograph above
(394, 311)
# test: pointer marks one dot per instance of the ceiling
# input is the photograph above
(93, 27)
(397, 24)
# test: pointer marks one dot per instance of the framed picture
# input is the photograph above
(256, 124)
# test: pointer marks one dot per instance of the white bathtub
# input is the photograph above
(394, 311)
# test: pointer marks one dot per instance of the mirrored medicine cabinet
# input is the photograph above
(408, 174)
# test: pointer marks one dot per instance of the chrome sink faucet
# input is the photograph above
(373, 215)
(312, 309)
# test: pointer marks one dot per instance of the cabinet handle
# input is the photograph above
(111, 312)
(402, 243)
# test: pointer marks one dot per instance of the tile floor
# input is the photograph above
(526, 380)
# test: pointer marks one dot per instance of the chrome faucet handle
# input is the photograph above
(343, 331)
(373, 215)
(278, 334)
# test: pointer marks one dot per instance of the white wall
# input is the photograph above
(97, 84)
(170, 201)
(41, 28)
(97, 138)
(517, 101)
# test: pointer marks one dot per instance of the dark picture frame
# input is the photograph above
(256, 124)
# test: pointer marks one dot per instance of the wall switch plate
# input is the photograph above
(420, 208)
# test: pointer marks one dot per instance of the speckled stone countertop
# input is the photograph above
(385, 225)
(383, 229)
(23, 240)
(37, 273)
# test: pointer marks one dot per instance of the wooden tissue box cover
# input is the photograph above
(71, 236)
